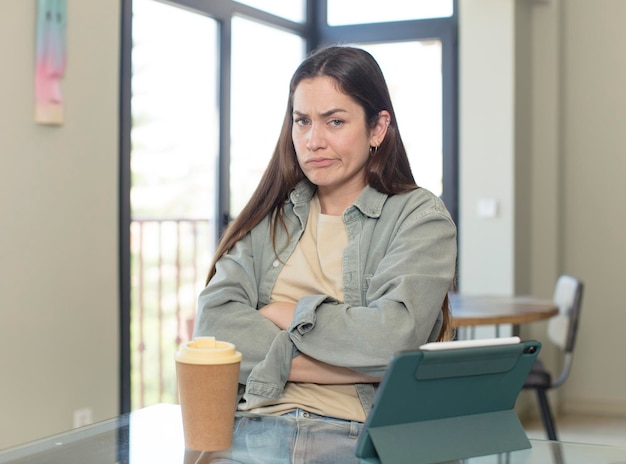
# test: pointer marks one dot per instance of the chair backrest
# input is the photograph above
(562, 328)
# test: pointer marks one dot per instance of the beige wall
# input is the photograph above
(593, 167)
(543, 116)
(59, 307)
(543, 109)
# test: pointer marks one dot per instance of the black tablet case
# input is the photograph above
(437, 406)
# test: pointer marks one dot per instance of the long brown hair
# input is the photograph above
(357, 74)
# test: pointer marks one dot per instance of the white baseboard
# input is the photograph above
(527, 407)
(593, 407)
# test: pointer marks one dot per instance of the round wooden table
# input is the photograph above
(473, 310)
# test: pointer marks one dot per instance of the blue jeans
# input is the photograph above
(299, 437)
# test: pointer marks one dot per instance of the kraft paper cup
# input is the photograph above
(208, 371)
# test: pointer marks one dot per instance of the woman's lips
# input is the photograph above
(320, 162)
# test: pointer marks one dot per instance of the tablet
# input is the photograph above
(451, 402)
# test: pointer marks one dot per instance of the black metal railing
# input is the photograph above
(169, 262)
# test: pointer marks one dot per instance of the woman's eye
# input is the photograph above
(301, 121)
(336, 122)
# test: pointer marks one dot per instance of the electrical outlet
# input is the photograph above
(82, 417)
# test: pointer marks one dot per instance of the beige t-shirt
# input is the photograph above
(315, 268)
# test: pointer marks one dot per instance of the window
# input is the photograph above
(415, 87)
(257, 110)
(417, 50)
(174, 135)
(293, 10)
(342, 12)
(201, 110)
(187, 163)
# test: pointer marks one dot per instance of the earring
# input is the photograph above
(373, 150)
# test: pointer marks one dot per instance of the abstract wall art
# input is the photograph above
(50, 60)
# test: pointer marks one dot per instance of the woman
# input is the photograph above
(338, 260)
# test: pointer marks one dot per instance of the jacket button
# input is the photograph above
(275, 263)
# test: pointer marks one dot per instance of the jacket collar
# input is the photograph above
(370, 201)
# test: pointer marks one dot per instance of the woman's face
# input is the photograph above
(330, 136)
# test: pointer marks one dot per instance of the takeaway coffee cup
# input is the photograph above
(208, 373)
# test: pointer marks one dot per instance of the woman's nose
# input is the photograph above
(315, 139)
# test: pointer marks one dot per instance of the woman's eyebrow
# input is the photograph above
(325, 114)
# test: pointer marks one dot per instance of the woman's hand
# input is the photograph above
(280, 313)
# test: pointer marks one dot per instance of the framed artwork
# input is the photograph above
(50, 60)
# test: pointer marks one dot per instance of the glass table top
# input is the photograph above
(154, 435)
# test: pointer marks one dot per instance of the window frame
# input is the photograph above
(316, 32)
(443, 29)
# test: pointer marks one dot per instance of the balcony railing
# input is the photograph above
(169, 262)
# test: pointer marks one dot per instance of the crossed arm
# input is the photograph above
(303, 367)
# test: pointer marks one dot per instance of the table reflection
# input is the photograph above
(154, 435)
